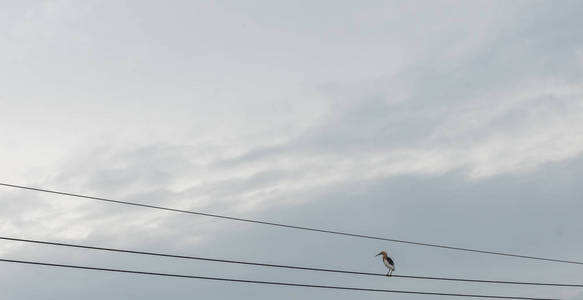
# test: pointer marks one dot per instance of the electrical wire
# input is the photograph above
(282, 266)
(278, 283)
(288, 226)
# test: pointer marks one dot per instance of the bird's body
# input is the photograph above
(389, 263)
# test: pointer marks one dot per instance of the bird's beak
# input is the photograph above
(378, 254)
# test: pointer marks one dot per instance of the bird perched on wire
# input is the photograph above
(389, 263)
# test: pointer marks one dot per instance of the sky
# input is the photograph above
(449, 122)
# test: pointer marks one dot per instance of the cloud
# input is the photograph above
(425, 130)
(508, 103)
(501, 132)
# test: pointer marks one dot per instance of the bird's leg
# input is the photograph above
(391, 273)
(388, 273)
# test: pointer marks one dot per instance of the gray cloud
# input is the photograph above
(447, 122)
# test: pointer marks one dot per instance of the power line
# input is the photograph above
(268, 282)
(283, 266)
(313, 229)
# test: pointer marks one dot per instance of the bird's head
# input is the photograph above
(383, 253)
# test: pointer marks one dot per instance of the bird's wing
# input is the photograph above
(390, 261)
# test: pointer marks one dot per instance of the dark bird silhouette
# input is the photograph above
(389, 263)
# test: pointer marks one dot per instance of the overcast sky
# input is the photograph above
(450, 122)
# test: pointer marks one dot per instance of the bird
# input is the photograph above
(389, 263)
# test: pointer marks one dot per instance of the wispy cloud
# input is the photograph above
(442, 121)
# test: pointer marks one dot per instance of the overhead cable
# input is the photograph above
(289, 226)
(261, 264)
(277, 283)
